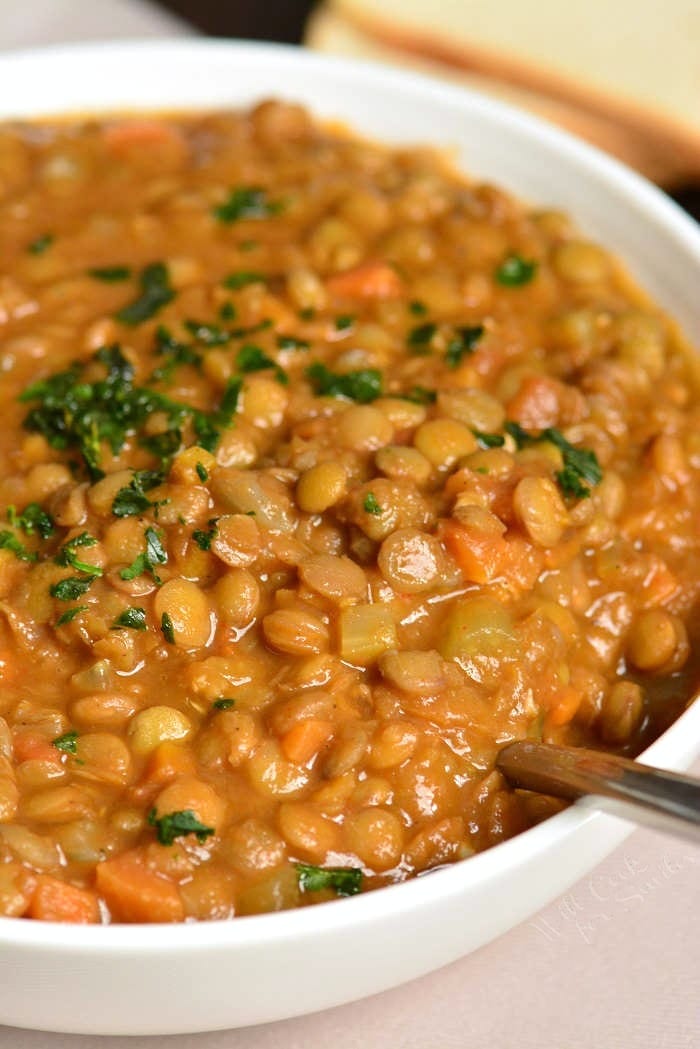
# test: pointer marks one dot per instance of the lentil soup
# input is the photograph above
(324, 474)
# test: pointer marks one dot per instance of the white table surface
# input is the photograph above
(613, 964)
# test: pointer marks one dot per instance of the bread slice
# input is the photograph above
(646, 113)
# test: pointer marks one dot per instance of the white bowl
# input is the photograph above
(146, 979)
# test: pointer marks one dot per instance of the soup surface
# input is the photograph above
(323, 474)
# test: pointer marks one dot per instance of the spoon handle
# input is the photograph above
(665, 800)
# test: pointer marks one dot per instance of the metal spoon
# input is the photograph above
(666, 801)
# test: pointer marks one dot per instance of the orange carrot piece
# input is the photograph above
(57, 901)
(659, 586)
(567, 702)
(133, 893)
(29, 746)
(168, 761)
(370, 280)
(536, 405)
(481, 556)
(132, 134)
(304, 740)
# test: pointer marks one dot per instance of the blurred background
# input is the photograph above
(624, 74)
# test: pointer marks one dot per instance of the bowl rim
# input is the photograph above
(674, 749)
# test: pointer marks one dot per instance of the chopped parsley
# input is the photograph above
(68, 557)
(132, 499)
(39, 246)
(290, 342)
(204, 539)
(9, 541)
(462, 343)
(242, 279)
(175, 353)
(370, 504)
(167, 628)
(153, 555)
(133, 618)
(246, 202)
(417, 308)
(71, 588)
(580, 466)
(344, 322)
(202, 472)
(227, 312)
(70, 613)
(515, 271)
(32, 519)
(208, 334)
(344, 881)
(68, 742)
(489, 440)
(223, 703)
(307, 313)
(177, 825)
(251, 358)
(110, 274)
(363, 386)
(156, 292)
(420, 337)
(420, 395)
(73, 413)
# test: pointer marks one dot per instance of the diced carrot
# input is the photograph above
(564, 708)
(30, 746)
(9, 666)
(480, 555)
(543, 401)
(370, 280)
(133, 893)
(127, 134)
(168, 761)
(659, 586)
(304, 740)
(57, 901)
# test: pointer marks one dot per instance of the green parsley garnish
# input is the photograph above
(133, 618)
(39, 246)
(153, 555)
(242, 279)
(462, 343)
(208, 334)
(363, 386)
(227, 312)
(32, 519)
(344, 321)
(489, 440)
(177, 825)
(344, 881)
(420, 395)
(251, 358)
(74, 413)
(110, 274)
(246, 202)
(290, 342)
(9, 541)
(370, 504)
(307, 314)
(175, 353)
(71, 588)
(223, 703)
(68, 742)
(580, 468)
(167, 628)
(515, 271)
(68, 557)
(205, 539)
(132, 499)
(70, 613)
(202, 472)
(156, 292)
(417, 308)
(420, 337)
